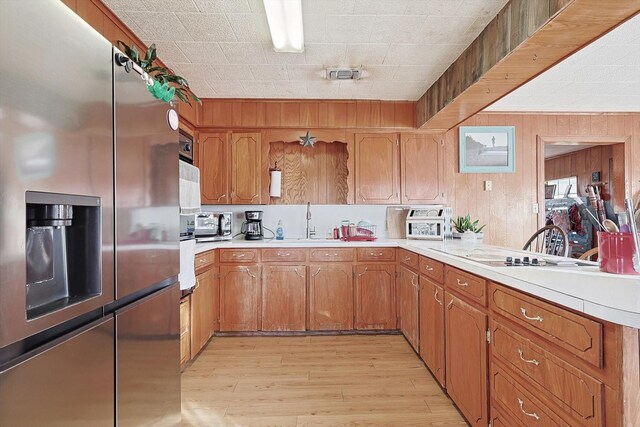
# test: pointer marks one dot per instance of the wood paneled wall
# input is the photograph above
(593, 159)
(507, 209)
(104, 21)
(265, 114)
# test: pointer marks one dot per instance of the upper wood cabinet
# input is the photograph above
(214, 168)
(245, 168)
(466, 359)
(284, 296)
(331, 297)
(377, 171)
(375, 299)
(421, 165)
(239, 294)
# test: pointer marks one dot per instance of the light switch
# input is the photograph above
(534, 208)
(488, 186)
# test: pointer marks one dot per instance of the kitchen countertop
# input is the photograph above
(614, 298)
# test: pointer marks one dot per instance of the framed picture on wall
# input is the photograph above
(487, 149)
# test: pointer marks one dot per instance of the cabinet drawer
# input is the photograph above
(432, 269)
(466, 284)
(331, 254)
(409, 259)
(205, 259)
(239, 255)
(522, 405)
(577, 393)
(376, 254)
(577, 334)
(284, 255)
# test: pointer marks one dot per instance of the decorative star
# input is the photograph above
(307, 140)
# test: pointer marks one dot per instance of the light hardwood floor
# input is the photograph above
(355, 380)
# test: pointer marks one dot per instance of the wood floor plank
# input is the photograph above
(351, 380)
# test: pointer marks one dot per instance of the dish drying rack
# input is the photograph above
(360, 233)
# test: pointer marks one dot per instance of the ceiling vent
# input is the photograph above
(344, 73)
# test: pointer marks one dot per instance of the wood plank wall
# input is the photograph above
(339, 114)
(507, 209)
(593, 159)
(104, 21)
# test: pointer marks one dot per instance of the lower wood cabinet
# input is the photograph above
(331, 297)
(284, 297)
(375, 305)
(239, 294)
(185, 330)
(466, 359)
(409, 283)
(432, 327)
(204, 309)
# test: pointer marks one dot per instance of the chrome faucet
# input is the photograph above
(310, 232)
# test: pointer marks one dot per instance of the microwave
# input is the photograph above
(213, 226)
(431, 222)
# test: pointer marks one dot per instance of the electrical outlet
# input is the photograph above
(534, 208)
(488, 186)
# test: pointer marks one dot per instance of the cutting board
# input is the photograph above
(396, 222)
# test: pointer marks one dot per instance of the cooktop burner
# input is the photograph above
(497, 257)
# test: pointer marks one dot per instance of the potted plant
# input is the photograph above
(466, 229)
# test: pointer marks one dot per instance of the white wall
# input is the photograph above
(323, 217)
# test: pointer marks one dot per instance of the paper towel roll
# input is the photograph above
(275, 189)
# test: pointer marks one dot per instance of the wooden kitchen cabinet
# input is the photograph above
(284, 297)
(409, 290)
(375, 302)
(246, 168)
(239, 295)
(432, 327)
(377, 168)
(331, 297)
(213, 161)
(185, 330)
(204, 309)
(466, 359)
(421, 163)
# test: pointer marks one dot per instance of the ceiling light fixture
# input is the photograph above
(285, 24)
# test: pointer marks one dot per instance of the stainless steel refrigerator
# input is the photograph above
(89, 230)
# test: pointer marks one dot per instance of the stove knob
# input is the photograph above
(525, 260)
(516, 261)
(535, 261)
(509, 260)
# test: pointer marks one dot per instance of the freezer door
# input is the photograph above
(148, 360)
(69, 384)
(147, 213)
(56, 136)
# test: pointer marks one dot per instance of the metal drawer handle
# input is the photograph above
(376, 253)
(333, 254)
(415, 285)
(298, 273)
(317, 272)
(202, 260)
(533, 361)
(283, 255)
(428, 268)
(197, 284)
(524, 313)
(462, 283)
(364, 272)
(532, 414)
(450, 305)
(407, 259)
(224, 195)
(435, 296)
(246, 270)
(238, 255)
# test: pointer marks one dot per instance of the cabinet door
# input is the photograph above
(245, 168)
(432, 327)
(409, 283)
(421, 168)
(214, 297)
(466, 359)
(214, 168)
(375, 303)
(185, 330)
(202, 319)
(239, 291)
(284, 297)
(377, 173)
(331, 297)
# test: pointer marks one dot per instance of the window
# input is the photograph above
(562, 184)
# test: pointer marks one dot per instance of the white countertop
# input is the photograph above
(615, 298)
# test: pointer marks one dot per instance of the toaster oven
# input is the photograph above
(213, 226)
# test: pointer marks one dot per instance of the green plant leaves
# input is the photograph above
(464, 223)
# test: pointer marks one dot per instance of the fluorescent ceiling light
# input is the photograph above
(285, 23)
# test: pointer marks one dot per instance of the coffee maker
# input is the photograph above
(252, 227)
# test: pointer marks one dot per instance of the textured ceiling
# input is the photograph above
(604, 76)
(223, 47)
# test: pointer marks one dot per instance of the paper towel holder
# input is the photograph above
(275, 187)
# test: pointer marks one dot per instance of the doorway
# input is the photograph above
(571, 170)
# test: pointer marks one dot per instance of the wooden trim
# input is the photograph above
(631, 376)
